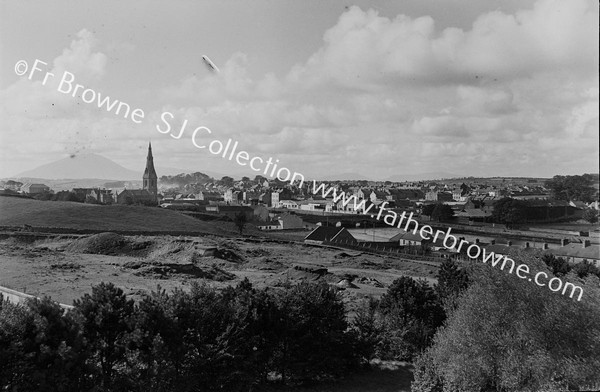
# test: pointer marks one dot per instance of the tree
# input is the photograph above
(570, 188)
(510, 335)
(240, 221)
(452, 281)
(411, 312)
(46, 195)
(107, 318)
(590, 215)
(41, 348)
(509, 211)
(586, 268)
(67, 196)
(442, 212)
(89, 199)
(259, 179)
(558, 265)
(367, 329)
(314, 342)
(428, 209)
(227, 181)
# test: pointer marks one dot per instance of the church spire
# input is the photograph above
(150, 179)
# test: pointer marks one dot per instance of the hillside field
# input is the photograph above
(122, 218)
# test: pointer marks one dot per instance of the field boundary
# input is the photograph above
(17, 297)
(65, 230)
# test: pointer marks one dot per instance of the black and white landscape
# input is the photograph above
(277, 195)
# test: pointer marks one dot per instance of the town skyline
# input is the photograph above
(82, 162)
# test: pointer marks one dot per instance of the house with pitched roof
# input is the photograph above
(579, 251)
(329, 234)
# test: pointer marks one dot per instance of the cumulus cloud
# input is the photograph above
(365, 50)
(487, 94)
(381, 96)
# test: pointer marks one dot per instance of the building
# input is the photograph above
(434, 195)
(290, 221)
(103, 196)
(329, 234)
(34, 189)
(233, 196)
(136, 196)
(150, 178)
(407, 238)
(578, 252)
(289, 204)
(148, 195)
(231, 211)
(261, 213)
(208, 196)
(270, 225)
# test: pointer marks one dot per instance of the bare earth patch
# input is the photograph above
(65, 268)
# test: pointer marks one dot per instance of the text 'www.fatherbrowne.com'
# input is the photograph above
(449, 241)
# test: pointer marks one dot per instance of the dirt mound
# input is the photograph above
(257, 252)
(168, 270)
(108, 244)
(346, 284)
(363, 263)
(191, 252)
(175, 251)
(301, 272)
(266, 264)
(224, 254)
(370, 281)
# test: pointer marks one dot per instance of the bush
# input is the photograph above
(401, 324)
(41, 349)
(313, 342)
(508, 334)
(411, 313)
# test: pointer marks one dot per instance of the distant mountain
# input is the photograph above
(421, 176)
(83, 166)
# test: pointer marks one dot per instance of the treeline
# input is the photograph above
(204, 340)
(508, 334)
(236, 339)
(182, 179)
(64, 196)
(574, 187)
(560, 267)
(513, 211)
(477, 329)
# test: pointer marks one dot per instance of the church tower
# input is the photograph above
(150, 177)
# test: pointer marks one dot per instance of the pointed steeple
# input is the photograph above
(150, 179)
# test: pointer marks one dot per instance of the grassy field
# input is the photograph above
(78, 216)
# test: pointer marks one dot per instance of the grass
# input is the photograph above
(78, 216)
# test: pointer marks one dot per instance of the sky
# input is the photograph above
(375, 88)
